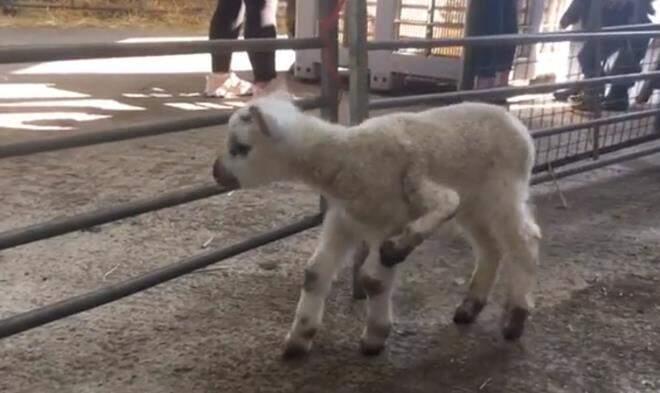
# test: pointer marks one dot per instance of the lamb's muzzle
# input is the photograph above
(223, 177)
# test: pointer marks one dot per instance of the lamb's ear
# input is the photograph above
(260, 119)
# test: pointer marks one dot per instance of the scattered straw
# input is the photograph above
(486, 382)
(556, 184)
(109, 272)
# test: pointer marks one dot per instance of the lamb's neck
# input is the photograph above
(320, 155)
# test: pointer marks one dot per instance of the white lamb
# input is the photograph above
(389, 182)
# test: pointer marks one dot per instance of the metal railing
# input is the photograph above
(327, 102)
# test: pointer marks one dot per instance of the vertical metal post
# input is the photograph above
(358, 61)
(358, 98)
(327, 28)
(466, 81)
(430, 18)
(595, 24)
(327, 31)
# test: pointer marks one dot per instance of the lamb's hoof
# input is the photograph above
(295, 350)
(468, 311)
(514, 325)
(390, 255)
(371, 349)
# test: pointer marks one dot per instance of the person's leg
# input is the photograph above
(225, 24)
(505, 55)
(591, 68)
(627, 61)
(260, 20)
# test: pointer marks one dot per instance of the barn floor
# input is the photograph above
(596, 327)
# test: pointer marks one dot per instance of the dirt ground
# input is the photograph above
(596, 327)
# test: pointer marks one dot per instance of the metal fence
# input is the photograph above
(567, 143)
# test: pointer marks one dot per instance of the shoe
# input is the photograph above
(564, 95)
(584, 103)
(227, 85)
(616, 104)
(617, 100)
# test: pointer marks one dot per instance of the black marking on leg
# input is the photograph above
(515, 323)
(308, 333)
(391, 256)
(311, 278)
(467, 311)
(372, 286)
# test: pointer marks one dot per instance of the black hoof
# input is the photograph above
(514, 325)
(468, 311)
(371, 349)
(294, 351)
(390, 255)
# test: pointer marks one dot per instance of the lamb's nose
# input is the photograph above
(223, 177)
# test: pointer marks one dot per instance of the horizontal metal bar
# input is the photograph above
(425, 23)
(38, 53)
(518, 39)
(550, 131)
(41, 316)
(572, 159)
(384, 103)
(635, 27)
(595, 165)
(60, 226)
(129, 132)
(436, 8)
(99, 8)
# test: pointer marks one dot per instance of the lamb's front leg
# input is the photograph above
(435, 204)
(335, 244)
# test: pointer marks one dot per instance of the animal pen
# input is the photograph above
(566, 143)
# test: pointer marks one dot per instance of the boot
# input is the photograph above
(564, 94)
(617, 99)
(586, 102)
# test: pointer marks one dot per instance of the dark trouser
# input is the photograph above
(496, 17)
(627, 61)
(225, 25)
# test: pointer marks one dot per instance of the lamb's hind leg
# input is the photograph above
(487, 262)
(519, 236)
(377, 280)
(335, 245)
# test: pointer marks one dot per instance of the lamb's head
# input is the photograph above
(256, 152)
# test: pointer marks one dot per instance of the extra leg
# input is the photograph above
(335, 245)
(487, 262)
(435, 204)
(377, 281)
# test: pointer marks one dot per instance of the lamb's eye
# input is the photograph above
(239, 149)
